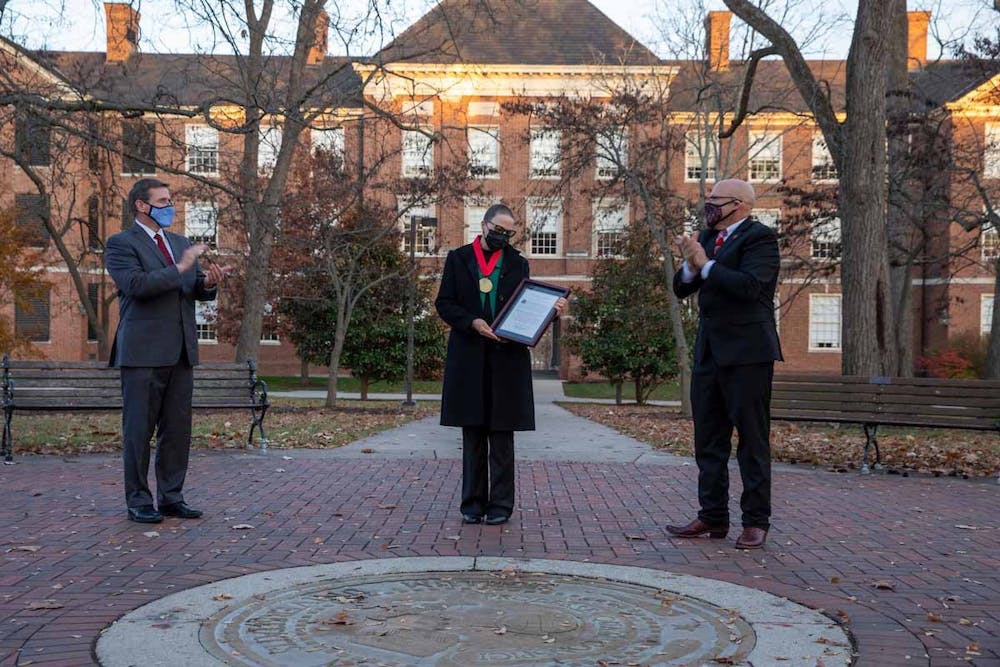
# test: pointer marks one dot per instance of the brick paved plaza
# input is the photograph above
(910, 565)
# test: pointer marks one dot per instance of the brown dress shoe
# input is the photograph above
(697, 528)
(752, 538)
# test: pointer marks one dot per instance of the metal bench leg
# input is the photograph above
(258, 412)
(871, 438)
(7, 446)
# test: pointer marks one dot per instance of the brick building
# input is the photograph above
(453, 74)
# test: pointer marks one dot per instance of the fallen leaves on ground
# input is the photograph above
(287, 427)
(934, 451)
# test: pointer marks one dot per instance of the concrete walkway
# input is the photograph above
(560, 436)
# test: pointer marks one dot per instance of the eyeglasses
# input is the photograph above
(715, 200)
(493, 227)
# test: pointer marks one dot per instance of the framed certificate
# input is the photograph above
(529, 312)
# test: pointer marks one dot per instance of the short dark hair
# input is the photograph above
(495, 210)
(140, 191)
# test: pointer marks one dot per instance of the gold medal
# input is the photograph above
(485, 285)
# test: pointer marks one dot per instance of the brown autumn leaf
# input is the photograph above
(44, 604)
(31, 548)
(934, 618)
(938, 452)
(341, 618)
(222, 596)
(883, 585)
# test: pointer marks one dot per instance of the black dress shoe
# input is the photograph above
(496, 519)
(182, 510)
(144, 515)
(472, 518)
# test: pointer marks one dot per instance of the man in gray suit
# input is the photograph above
(156, 347)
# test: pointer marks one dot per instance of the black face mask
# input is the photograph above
(495, 240)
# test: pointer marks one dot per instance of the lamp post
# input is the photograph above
(425, 223)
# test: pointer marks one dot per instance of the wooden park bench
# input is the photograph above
(85, 386)
(887, 401)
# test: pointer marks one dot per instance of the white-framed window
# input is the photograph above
(823, 169)
(544, 227)
(204, 318)
(825, 238)
(765, 156)
(418, 154)
(986, 305)
(991, 151)
(824, 321)
(330, 140)
(769, 217)
(545, 153)
(701, 155)
(989, 242)
(612, 151)
(269, 337)
(484, 152)
(777, 311)
(475, 211)
(610, 222)
(201, 223)
(270, 146)
(425, 221)
(202, 149)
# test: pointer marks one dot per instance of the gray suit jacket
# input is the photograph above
(155, 301)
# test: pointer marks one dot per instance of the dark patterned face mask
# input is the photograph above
(713, 213)
(496, 240)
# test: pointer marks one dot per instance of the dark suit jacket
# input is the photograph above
(155, 301)
(458, 303)
(736, 303)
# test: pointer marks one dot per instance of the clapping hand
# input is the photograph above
(691, 251)
(215, 274)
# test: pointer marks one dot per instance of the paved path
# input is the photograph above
(911, 566)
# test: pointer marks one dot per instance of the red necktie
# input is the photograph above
(719, 240)
(166, 253)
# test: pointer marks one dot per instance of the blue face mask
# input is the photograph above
(162, 215)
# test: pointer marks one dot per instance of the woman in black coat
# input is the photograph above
(487, 382)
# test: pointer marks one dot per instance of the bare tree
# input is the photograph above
(857, 145)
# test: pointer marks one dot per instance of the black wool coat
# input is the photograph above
(736, 304)
(463, 400)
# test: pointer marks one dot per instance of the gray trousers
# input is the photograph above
(156, 400)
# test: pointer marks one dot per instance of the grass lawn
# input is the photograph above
(668, 391)
(290, 423)
(349, 384)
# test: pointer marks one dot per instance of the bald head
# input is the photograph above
(734, 187)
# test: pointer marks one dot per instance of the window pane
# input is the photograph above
(33, 139)
(418, 155)
(822, 161)
(330, 140)
(701, 154)
(138, 147)
(612, 150)
(202, 149)
(204, 317)
(93, 224)
(544, 225)
(545, 153)
(31, 317)
(270, 145)
(824, 321)
(986, 305)
(768, 217)
(991, 151)
(484, 151)
(201, 223)
(765, 156)
(425, 225)
(609, 228)
(826, 238)
(32, 211)
(990, 243)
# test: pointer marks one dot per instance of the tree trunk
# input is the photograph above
(902, 216)
(638, 391)
(992, 370)
(364, 388)
(257, 277)
(304, 373)
(331, 373)
(618, 393)
(867, 316)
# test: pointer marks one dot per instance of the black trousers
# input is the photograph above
(487, 471)
(723, 397)
(156, 400)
